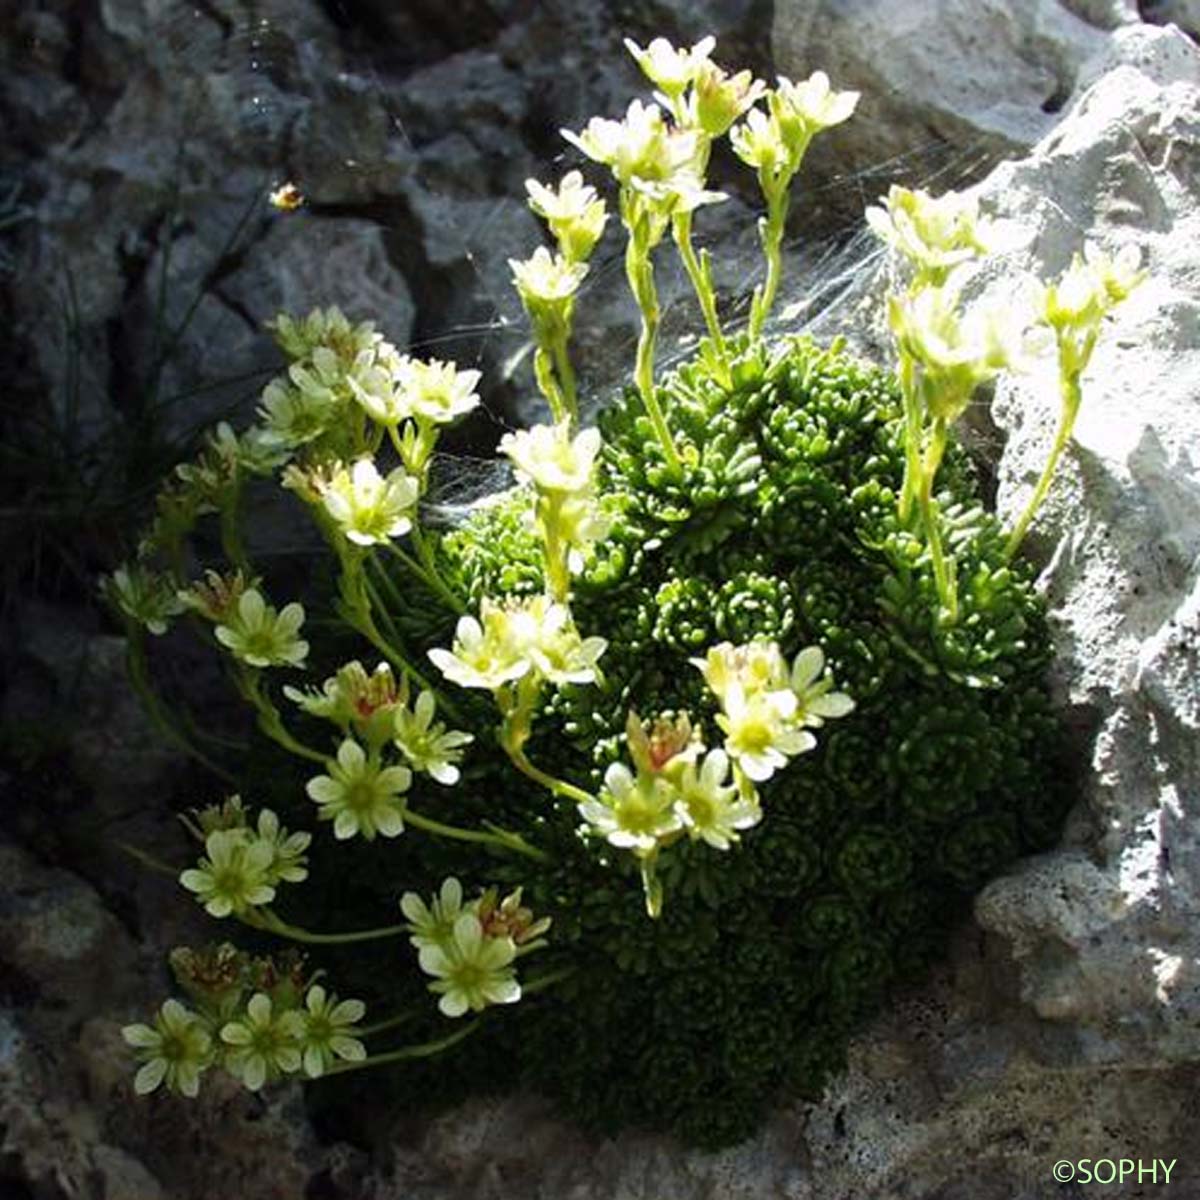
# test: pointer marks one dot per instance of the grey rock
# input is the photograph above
(58, 938)
(964, 82)
(1183, 13)
(1106, 935)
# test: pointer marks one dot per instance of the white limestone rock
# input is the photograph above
(1106, 930)
(986, 77)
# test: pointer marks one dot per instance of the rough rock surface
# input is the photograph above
(967, 81)
(1064, 1025)
(1110, 941)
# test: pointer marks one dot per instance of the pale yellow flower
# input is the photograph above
(548, 457)
(669, 68)
(369, 508)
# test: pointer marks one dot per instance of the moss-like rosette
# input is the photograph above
(769, 957)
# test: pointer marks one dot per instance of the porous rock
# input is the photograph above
(1110, 941)
(955, 83)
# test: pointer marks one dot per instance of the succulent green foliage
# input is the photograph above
(766, 960)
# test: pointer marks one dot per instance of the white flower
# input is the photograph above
(759, 143)
(709, 808)
(352, 697)
(936, 233)
(472, 971)
(1119, 274)
(545, 279)
(633, 813)
(804, 109)
(368, 508)
(759, 731)
(287, 850)
(574, 213)
(639, 147)
(956, 351)
(293, 416)
(235, 874)
(438, 391)
(580, 523)
(555, 647)
(551, 459)
(757, 666)
(669, 68)
(360, 796)
(174, 1051)
(816, 702)
(719, 99)
(430, 747)
(144, 597)
(433, 925)
(378, 386)
(264, 1043)
(328, 1031)
(486, 655)
(259, 636)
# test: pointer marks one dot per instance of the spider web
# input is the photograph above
(826, 271)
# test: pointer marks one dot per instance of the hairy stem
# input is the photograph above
(494, 837)
(270, 922)
(1071, 395)
(640, 273)
(157, 709)
(943, 568)
(423, 1050)
(681, 229)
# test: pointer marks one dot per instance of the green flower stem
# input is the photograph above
(249, 683)
(560, 787)
(429, 573)
(415, 451)
(270, 922)
(558, 571)
(493, 837)
(542, 982)
(422, 1050)
(771, 235)
(640, 272)
(912, 435)
(566, 375)
(547, 381)
(156, 708)
(699, 273)
(1071, 396)
(358, 596)
(231, 530)
(390, 1023)
(148, 860)
(943, 567)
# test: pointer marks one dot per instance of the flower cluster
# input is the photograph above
(1090, 288)
(242, 863)
(798, 890)
(470, 949)
(255, 1019)
(767, 709)
(677, 787)
(567, 513)
(518, 639)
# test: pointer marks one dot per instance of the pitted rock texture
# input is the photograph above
(1111, 940)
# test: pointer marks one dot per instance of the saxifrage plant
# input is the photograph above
(724, 711)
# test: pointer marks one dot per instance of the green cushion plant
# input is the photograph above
(724, 712)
